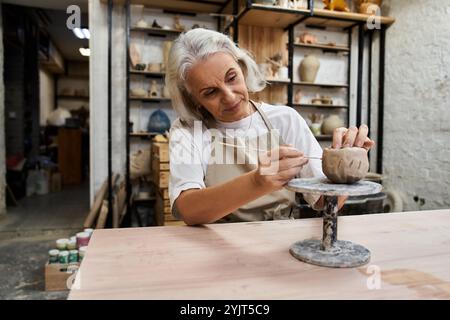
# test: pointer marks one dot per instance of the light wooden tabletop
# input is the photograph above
(410, 260)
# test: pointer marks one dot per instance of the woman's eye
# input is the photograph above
(209, 93)
(232, 78)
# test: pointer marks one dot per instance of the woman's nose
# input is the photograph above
(228, 95)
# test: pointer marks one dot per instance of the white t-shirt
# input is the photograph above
(190, 147)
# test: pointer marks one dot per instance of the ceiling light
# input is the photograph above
(79, 33)
(86, 33)
(86, 52)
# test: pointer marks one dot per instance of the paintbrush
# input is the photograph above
(259, 150)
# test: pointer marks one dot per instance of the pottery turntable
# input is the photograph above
(330, 252)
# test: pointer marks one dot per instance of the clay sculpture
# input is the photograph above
(338, 5)
(347, 165)
(307, 38)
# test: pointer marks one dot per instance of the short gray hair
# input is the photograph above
(193, 46)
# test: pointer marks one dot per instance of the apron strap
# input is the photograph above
(266, 120)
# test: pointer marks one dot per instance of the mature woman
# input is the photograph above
(231, 157)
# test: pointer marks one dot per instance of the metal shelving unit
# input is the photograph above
(287, 19)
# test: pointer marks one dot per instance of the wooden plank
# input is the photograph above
(103, 215)
(409, 251)
(89, 221)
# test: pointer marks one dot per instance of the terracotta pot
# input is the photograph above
(330, 123)
(308, 68)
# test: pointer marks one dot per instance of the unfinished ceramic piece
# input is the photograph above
(347, 165)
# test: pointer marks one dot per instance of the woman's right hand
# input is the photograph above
(278, 167)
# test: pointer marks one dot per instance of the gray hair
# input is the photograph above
(193, 46)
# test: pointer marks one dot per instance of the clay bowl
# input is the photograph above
(347, 165)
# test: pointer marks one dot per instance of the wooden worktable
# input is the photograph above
(411, 252)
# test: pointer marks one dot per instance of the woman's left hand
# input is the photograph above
(352, 137)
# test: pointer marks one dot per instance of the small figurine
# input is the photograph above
(177, 24)
(156, 25)
(153, 92)
(307, 38)
(338, 5)
(276, 62)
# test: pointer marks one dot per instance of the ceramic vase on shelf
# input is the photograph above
(308, 68)
(330, 123)
(159, 122)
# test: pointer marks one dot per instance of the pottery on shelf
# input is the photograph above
(370, 7)
(330, 123)
(153, 91)
(139, 93)
(156, 25)
(177, 24)
(336, 5)
(307, 38)
(308, 68)
(140, 66)
(158, 122)
(346, 165)
(154, 67)
(142, 24)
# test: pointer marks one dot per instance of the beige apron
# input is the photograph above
(274, 206)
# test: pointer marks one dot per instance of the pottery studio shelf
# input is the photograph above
(278, 17)
(324, 137)
(323, 47)
(322, 85)
(325, 106)
(142, 134)
(277, 82)
(147, 99)
(68, 97)
(156, 31)
(148, 74)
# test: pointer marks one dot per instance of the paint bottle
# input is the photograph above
(72, 244)
(73, 256)
(89, 230)
(81, 253)
(53, 256)
(82, 239)
(63, 257)
(61, 244)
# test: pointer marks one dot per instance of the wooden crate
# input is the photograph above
(164, 192)
(159, 166)
(161, 179)
(160, 151)
(57, 276)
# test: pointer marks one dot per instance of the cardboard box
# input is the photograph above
(57, 276)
